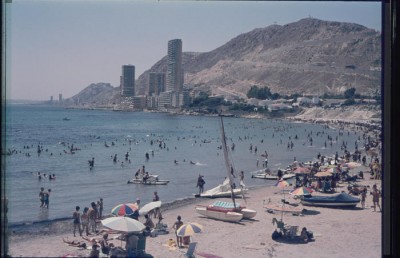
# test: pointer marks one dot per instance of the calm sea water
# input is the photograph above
(186, 138)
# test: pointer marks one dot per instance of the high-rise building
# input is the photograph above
(174, 66)
(128, 81)
(60, 99)
(156, 84)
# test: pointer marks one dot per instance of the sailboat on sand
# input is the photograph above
(227, 211)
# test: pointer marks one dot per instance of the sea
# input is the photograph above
(173, 143)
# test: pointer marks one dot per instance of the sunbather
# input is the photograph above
(75, 243)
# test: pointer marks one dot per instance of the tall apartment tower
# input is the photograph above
(174, 66)
(128, 81)
(156, 84)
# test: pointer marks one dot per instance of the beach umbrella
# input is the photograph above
(124, 224)
(302, 170)
(149, 207)
(189, 229)
(352, 165)
(323, 174)
(124, 209)
(332, 170)
(301, 191)
(282, 183)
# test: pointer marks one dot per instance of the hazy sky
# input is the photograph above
(63, 46)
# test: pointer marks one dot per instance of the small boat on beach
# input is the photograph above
(221, 191)
(263, 174)
(152, 180)
(226, 211)
(340, 200)
(218, 214)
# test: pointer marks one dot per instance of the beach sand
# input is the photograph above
(338, 232)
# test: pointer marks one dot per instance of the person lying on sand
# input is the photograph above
(75, 243)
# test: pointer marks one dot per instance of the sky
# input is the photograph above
(61, 47)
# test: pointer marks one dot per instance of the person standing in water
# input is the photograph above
(200, 183)
(41, 197)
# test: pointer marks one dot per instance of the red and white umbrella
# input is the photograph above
(124, 209)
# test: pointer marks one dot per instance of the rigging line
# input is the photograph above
(226, 157)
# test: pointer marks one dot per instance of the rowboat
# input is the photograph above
(152, 180)
(269, 176)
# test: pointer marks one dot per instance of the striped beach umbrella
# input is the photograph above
(302, 170)
(124, 209)
(301, 191)
(189, 229)
(282, 184)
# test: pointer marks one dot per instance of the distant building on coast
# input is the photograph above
(128, 81)
(156, 84)
(174, 66)
(60, 99)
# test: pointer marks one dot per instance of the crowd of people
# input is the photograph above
(85, 222)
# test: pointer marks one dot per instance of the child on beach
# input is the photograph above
(363, 197)
(177, 225)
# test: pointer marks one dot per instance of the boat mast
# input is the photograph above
(228, 165)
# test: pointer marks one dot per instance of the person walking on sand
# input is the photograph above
(176, 226)
(375, 197)
(77, 220)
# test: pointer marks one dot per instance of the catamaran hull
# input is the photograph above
(219, 215)
(248, 214)
(227, 194)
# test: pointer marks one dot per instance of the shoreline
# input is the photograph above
(333, 229)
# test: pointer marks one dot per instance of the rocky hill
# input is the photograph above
(309, 56)
(97, 94)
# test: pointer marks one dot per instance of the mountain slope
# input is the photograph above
(308, 56)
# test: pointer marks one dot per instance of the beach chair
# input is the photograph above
(190, 251)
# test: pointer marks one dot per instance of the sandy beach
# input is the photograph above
(338, 232)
